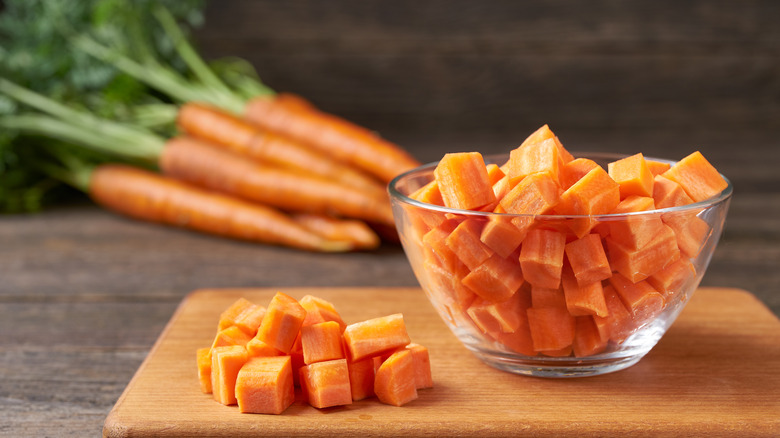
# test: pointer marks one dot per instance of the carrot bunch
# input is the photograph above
(261, 354)
(288, 175)
(584, 258)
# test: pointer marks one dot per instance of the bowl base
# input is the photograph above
(557, 367)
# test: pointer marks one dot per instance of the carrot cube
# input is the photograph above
(497, 279)
(464, 242)
(572, 171)
(545, 133)
(326, 384)
(203, 356)
(422, 366)
(376, 336)
(588, 259)
(585, 299)
(619, 323)
(264, 385)
(633, 176)
(638, 264)
(587, 339)
(657, 167)
(671, 279)
(635, 231)
(542, 156)
(520, 340)
(668, 193)
(536, 194)
(321, 342)
(593, 194)
(501, 235)
(257, 348)
(541, 257)
(283, 319)
(495, 318)
(429, 194)
(435, 241)
(552, 328)
(547, 297)
(691, 231)
(395, 382)
(641, 299)
(463, 181)
(230, 336)
(361, 378)
(319, 310)
(697, 176)
(229, 316)
(447, 286)
(226, 361)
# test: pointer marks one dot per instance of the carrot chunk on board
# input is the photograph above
(361, 378)
(633, 176)
(257, 348)
(541, 257)
(463, 181)
(321, 342)
(422, 366)
(229, 316)
(697, 176)
(230, 336)
(326, 384)
(283, 319)
(225, 363)
(264, 385)
(203, 356)
(587, 259)
(395, 382)
(376, 336)
(319, 310)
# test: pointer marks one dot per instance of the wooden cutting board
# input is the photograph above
(715, 373)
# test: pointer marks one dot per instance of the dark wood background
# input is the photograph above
(84, 293)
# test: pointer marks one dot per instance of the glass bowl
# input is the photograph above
(507, 326)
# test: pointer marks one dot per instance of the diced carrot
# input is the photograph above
(494, 173)
(588, 259)
(536, 194)
(691, 231)
(635, 231)
(326, 384)
(547, 297)
(500, 189)
(204, 369)
(361, 378)
(575, 169)
(283, 319)
(230, 336)
(697, 176)
(633, 176)
(296, 358)
(587, 340)
(593, 194)
(319, 310)
(581, 300)
(552, 328)
(429, 194)
(264, 385)
(463, 181)
(226, 361)
(376, 336)
(422, 366)
(448, 286)
(229, 316)
(619, 323)
(257, 348)
(250, 320)
(543, 156)
(495, 280)
(668, 193)
(671, 279)
(541, 257)
(561, 352)
(638, 264)
(435, 241)
(321, 342)
(395, 382)
(641, 299)
(657, 167)
(501, 235)
(464, 242)
(520, 340)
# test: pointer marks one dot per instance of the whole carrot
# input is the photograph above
(222, 128)
(205, 165)
(357, 232)
(155, 198)
(294, 117)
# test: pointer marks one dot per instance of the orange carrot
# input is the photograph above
(668, 193)
(463, 181)
(355, 232)
(619, 323)
(691, 231)
(151, 197)
(361, 378)
(465, 243)
(395, 382)
(640, 298)
(575, 169)
(230, 336)
(375, 336)
(552, 328)
(697, 176)
(195, 161)
(587, 259)
(319, 310)
(519, 340)
(657, 167)
(593, 194)
(531, 158)
(257, 348)
(633, 176)
(429, 194)
(321, 342)
(583, 299)
(246, 139)
(638, 264)
(203, 356)
(587, 339)
(670, 280)
(541, 257)
(226, 362)
(635, 231)
(326, 384)
(264, 385)
(331, 135)
(501, 235)
(422, 366)
(283, 319)
(230, 315)
(496, 279)
(547, 297)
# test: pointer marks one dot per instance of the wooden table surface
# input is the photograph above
(84, 294)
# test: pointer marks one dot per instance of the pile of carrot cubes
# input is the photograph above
(567, 286)
(261, 354)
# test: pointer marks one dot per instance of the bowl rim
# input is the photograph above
(396, 195)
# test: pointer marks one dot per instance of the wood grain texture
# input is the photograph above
(715, 373)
